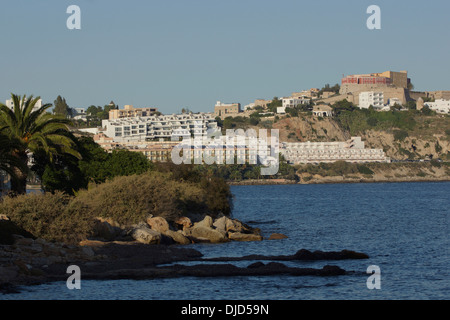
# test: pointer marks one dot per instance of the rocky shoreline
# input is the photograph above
(150, 253)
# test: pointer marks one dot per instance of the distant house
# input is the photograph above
(281, 110)
(224, 110)
(293, 102)
(79, 114)
(322, 110)
(440, 105)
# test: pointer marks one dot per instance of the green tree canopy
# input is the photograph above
(34, 131)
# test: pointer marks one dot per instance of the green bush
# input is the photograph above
(400, 135)
(364, 170)
(44, 215)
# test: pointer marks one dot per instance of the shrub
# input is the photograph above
(131, 199)
(45, 216)
(365, 170)
(400, 135)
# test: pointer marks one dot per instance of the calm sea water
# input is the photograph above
(403, 227)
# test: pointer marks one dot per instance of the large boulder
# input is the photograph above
(202, 232)
(183, 223)
(207, 222)
(239, 236)
(158, 224)
(221, 223)
(146, 235)
(277, 236)
(178, 237)
(233, 225)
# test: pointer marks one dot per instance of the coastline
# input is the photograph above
(339, 180)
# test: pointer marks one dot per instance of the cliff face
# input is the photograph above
(413, 146)
(309, 128)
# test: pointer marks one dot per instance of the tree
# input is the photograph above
(62, 108)
(7, 161)
(33, 131)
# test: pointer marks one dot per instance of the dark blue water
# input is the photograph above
(403, 227)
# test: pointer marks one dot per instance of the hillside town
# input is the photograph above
(154, 134)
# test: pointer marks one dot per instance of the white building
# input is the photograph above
(159, 127)
(281, 110)
(249, 106)
(293, 102)
(10, 104)
(352, 150)
(440, 105)
(370, 98)
(393, 101)
(80, 114)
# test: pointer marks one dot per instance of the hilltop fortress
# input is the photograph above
(396, 86)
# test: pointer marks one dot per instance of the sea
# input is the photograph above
(403, 227)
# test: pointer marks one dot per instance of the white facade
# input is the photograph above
(249, 106)
(159, 127)
(9, 103)
(440, 105)
(281, 110)
(80, 114)
(352, 150)
(370, 98)
(292, 102)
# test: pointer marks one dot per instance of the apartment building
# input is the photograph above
(352, 150)
(159, 127)
(293, 102)
(371, 98)
(130, 112)
(10, 104)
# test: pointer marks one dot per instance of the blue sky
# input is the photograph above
(172, 54)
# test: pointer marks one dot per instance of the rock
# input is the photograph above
(106, 228)
(239, 236)
(277, 236)
(200, 231)
(234, 225)
(24, 242)
(183, 222)
(178, 237)
(206, 222)
(221, 223)
(158, 224)
(146, 235)
(255, 265)
(198, 240)
(9, 230)
(87, 251)
(92, 243)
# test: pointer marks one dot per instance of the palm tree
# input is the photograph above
(32, 130)
(8, 162)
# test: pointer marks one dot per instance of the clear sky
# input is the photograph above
(172, 54)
